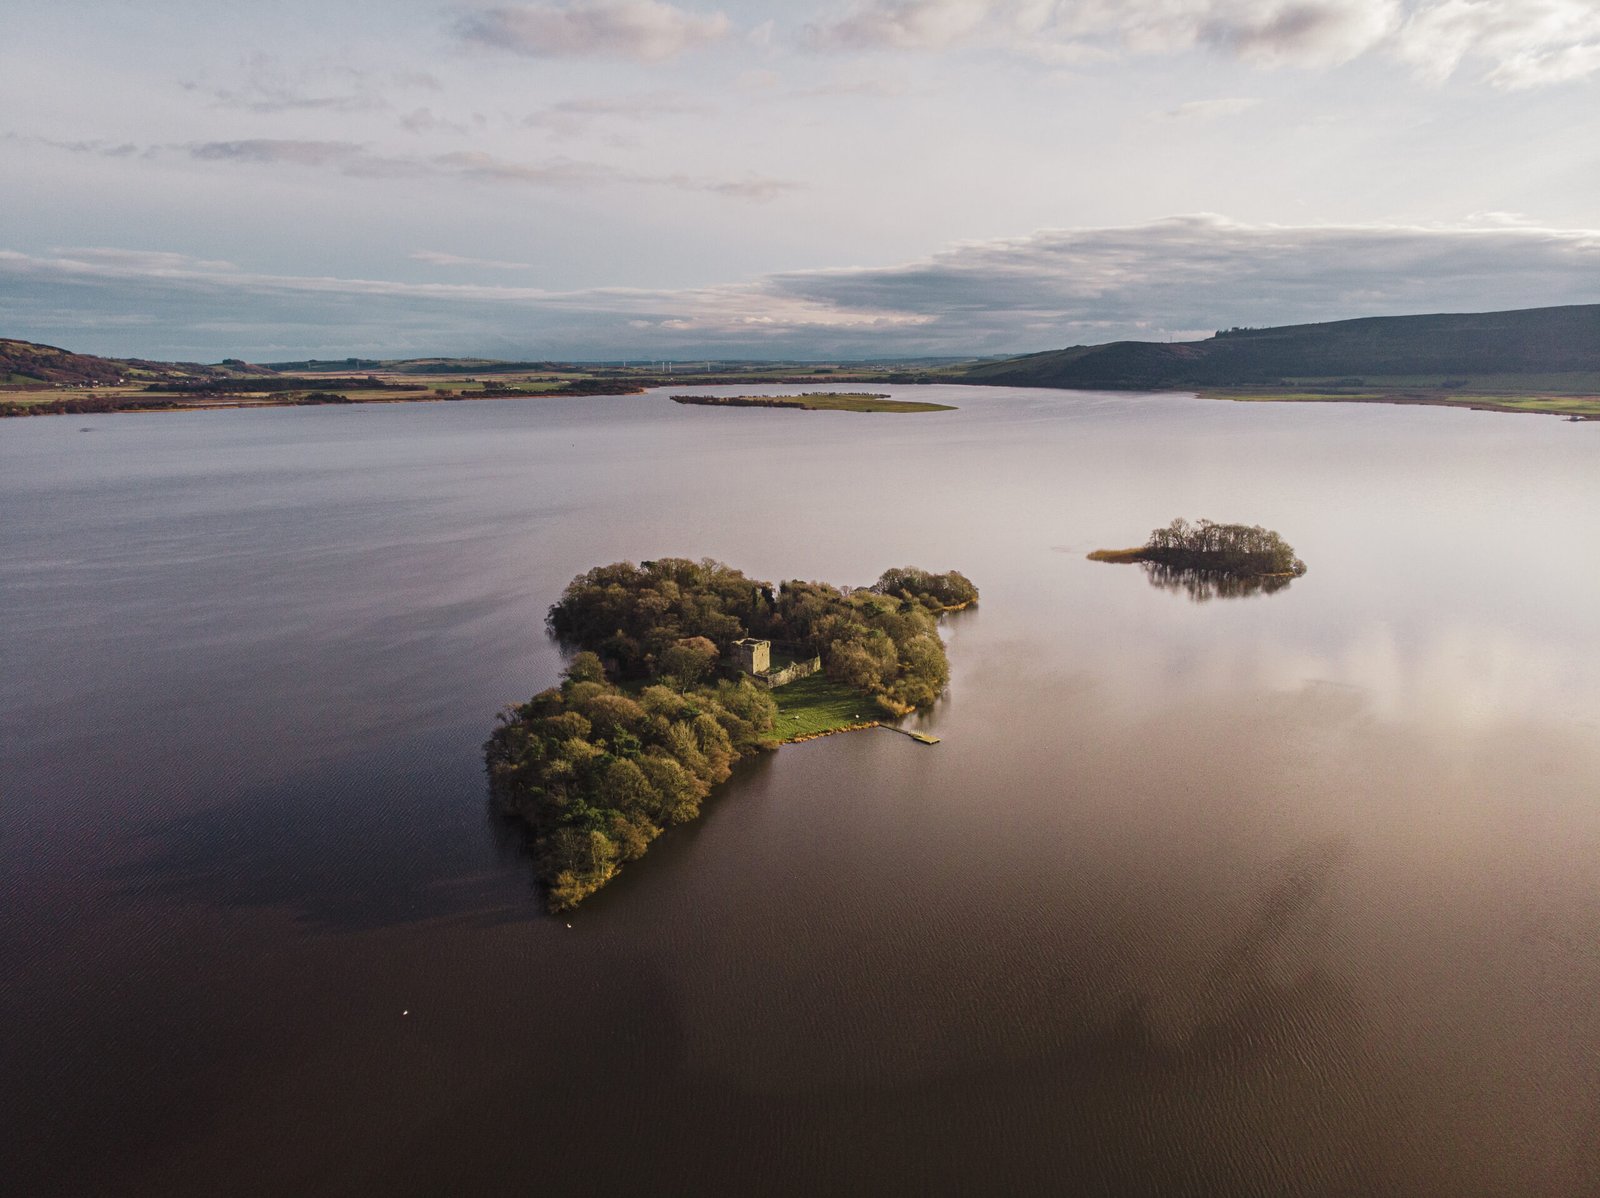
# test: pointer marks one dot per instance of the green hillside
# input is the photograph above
(26, 363)
(1444, 350)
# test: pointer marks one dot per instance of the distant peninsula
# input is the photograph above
(1235, 550)
(45, 380)
(684, 667)
(1528, 360)
(817, 401)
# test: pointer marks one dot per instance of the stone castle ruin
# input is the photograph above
(754, 659)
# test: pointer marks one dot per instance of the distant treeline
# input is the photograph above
(640, 729)
(482, 368)
(407, 366)
(323, 397)
(572, 387)
(311, 364)
(234, 386)
(91, 404)
(85, 405)
(740, 401)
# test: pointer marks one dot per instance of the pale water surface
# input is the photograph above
(1287, 894)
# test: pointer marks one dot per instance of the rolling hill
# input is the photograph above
(1532, 341)
(27, 362)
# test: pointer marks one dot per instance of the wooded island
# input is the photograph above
(817, 401)
(1239, 550)
(655, 709)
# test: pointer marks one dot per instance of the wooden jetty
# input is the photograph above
(922, 738)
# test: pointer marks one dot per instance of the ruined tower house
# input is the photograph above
(754, 656)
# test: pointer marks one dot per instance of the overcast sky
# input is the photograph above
(638, 178)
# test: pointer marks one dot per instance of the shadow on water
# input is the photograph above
(353, 846)
(1253, 1036)
(1202, 586)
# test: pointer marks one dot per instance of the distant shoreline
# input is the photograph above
(21, 402)
(1577, 407)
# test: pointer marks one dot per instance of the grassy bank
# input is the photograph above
(1554, 398)
(814, 706)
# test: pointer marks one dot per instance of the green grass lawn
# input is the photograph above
(1559, 405)
(856, 401)
(815, 704)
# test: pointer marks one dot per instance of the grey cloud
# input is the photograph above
(570, 118)
(566, 172)
(283, 100)
(874, 88)
(346, 155)
(262, 83)
(98, 148)
(351, 158)
(1304, 32)
(425, 120)
(758, 190)
(1297, 32)
(115, 258)
(435, 258)
(648, 30)
(357, 160)
(556, 172)
(1050, 289)
(1205, 272)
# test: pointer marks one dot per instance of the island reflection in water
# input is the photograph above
(1202, 586)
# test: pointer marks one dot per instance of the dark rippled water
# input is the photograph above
(1277, 894)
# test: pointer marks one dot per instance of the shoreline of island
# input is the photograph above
(817, 401)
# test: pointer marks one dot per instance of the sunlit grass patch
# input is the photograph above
(816, 704)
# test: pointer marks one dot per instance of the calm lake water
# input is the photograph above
(1286, 894)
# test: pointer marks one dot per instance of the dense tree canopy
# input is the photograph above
(882, 640)
(641, 727)
(596, 772)
(950, 590)
(631, 614)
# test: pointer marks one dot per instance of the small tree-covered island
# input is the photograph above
(682, 668)
(1237, 550)
(818, 401)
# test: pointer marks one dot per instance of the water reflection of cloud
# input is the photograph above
(1451, 675)
(1445, 676)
